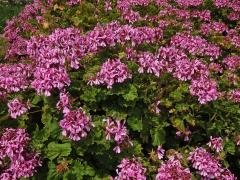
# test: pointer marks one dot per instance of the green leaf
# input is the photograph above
(55, 150)
(132, 94)
(135, 123)
(229, 147)
(158, 136)
(90, 94)
(36, 100)
(179, 124)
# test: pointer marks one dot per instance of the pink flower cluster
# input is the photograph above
(48, 79)
(14, 33)
(73, 2)
(13, 144)
(61, 46)
(64, 103)
(214, 26)
(234, 95)
(208, 166)
(116, 130)
(172, 169)
(221, 3)
(176, 62)
(50, 53)
(216, 144)
(232, 62)
(76, 124)
(125, 7)
(16, 108)
(149, 63)
(112, 71)
(195, 45)
(187, 3)
(14, 78)
(234, 5)
(205, 89)
(130, 169)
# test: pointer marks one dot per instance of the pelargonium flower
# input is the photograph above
(130, 169)
(234, 95)
(63, 45)
(25, 166)
(227, 175)
(47, 79)
(172, 169)
(196, 45)
(187, 3)
(205, 89)
(204, 15)
(13, 142)
(64, 103)
(116, 130)
(112, 71)
(16, 108)
(14, 77)
(73, 2)
(205, 163)
(232, 62)
(215, 67)
(216, 144)
(76, 124)
(160, 152)
(221, 3)
(149, 63)
(184, 70)
(6, 175)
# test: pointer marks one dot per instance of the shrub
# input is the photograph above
(123, 89)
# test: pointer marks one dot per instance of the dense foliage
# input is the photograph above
(121, 89)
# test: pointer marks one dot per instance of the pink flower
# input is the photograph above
(160, 152)
(14, 77)
(112, 71)
(64, 103)
(208, 166)
(13, 142)
(187, 3)
(215, 67)
(232, 62)
(130, 169)
(196, 45)
(216, 144)
(76, 124)
(234, 95)
(226, 175)
(118, 132)
(205, 163)
(149, 63)
(205, 89)
(73, 2)
(221, 3)
(14, 145)
(25, 166)
(16, 108)
(47, 79)
(172, 169)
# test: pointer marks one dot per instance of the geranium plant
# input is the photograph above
(121, 89)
